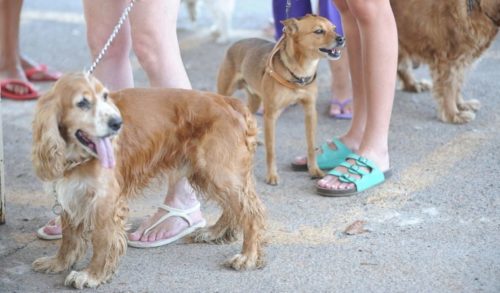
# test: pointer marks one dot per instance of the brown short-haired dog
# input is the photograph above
(448, 35)
(99, 149)
(282, 74)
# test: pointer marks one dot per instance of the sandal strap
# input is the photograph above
(362, 161)
(366, 179)
(341, 104)
(174, 212)
(354, 169)
(330, 158)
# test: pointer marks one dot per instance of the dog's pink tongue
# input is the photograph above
(105, 152)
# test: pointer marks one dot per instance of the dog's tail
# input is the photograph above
(248, 121)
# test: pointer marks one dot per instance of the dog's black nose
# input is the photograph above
(115, 123)
(340, 39)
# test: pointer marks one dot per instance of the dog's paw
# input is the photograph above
(206, 235)
(417, 87)
(316, 173)
(457, 118)
(48, 265)
(272, 179)
(470, 105)
(81, 279)
(242, 262)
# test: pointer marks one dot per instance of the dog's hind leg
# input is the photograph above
(227, 79)
(249, 211)
(72, 249)
(224, 231)
(233, 189)
(448, 78)
(254, 101)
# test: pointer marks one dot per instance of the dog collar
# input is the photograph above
(298, 82)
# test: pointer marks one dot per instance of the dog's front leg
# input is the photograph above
(311, 122)
(270, 117)
(448, 79)
(109, 243)
(73, 247)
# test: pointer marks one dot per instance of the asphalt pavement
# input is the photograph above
(433, 227)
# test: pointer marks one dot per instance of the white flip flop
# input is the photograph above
(171, 212)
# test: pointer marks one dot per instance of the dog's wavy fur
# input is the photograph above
(208, 138)
(448, 35)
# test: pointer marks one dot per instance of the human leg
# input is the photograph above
(373, 63)
(10, 60)
(155, 43)
(115, 69)
(340, 106)
(352, 138)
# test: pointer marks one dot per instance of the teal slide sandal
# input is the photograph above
(328, 158)
(369, 176)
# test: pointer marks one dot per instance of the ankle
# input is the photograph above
(351, 142)
(379, 157)
(181, 201)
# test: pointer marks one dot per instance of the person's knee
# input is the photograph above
(364, 11)
(147, 50)
(152, 48)
(119, 49)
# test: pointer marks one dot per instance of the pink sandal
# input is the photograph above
(43, 73)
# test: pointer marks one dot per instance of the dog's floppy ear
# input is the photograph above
(290, 26)
(48, 145)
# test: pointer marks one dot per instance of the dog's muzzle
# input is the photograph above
(334, 53)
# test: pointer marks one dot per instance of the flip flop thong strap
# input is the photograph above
(174, 212)
(340, 104)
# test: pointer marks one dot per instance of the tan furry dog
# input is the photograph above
(448, 35)
(99, 150)
(282, 74)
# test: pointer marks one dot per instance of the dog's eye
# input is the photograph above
(83, 104)
(319, 31)
(105, 96)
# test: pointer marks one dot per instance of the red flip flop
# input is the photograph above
(9, 94)
(42, 71)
